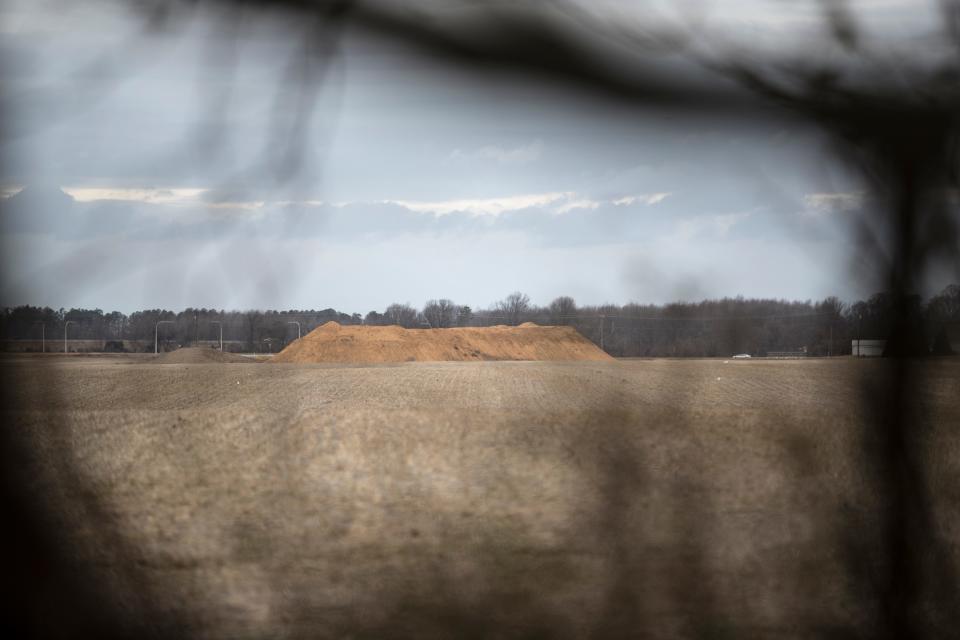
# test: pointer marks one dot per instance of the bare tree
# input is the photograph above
(401, 314)
(514, 307)
(440, 313)
(943, 320)
(563, 310)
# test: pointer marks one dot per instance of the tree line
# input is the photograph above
(709, 328)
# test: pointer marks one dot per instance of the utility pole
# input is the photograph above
(65, 325)
(156, 330)
(221, 332)
(602, 318)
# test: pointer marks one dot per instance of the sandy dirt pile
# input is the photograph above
(199, 355)
(354, 343)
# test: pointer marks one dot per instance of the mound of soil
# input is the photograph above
(366, 344)
(199, 355)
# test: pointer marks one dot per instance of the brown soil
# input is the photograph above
(199, 355)
(353, 343)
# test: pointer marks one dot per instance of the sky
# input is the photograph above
(206, 165)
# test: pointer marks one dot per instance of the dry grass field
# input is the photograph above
(650, 498)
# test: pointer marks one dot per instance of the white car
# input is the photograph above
(741, 356)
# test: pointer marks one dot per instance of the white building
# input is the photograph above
(869, 348)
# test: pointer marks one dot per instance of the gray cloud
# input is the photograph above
(389, 130)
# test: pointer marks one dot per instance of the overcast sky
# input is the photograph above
(191, 169)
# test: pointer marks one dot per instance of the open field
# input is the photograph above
(580, 499)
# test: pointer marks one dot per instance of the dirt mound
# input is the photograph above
(199, 355)
(365, 344)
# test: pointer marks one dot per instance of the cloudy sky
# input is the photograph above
(208, 165)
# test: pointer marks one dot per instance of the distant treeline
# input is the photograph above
(709, 328)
